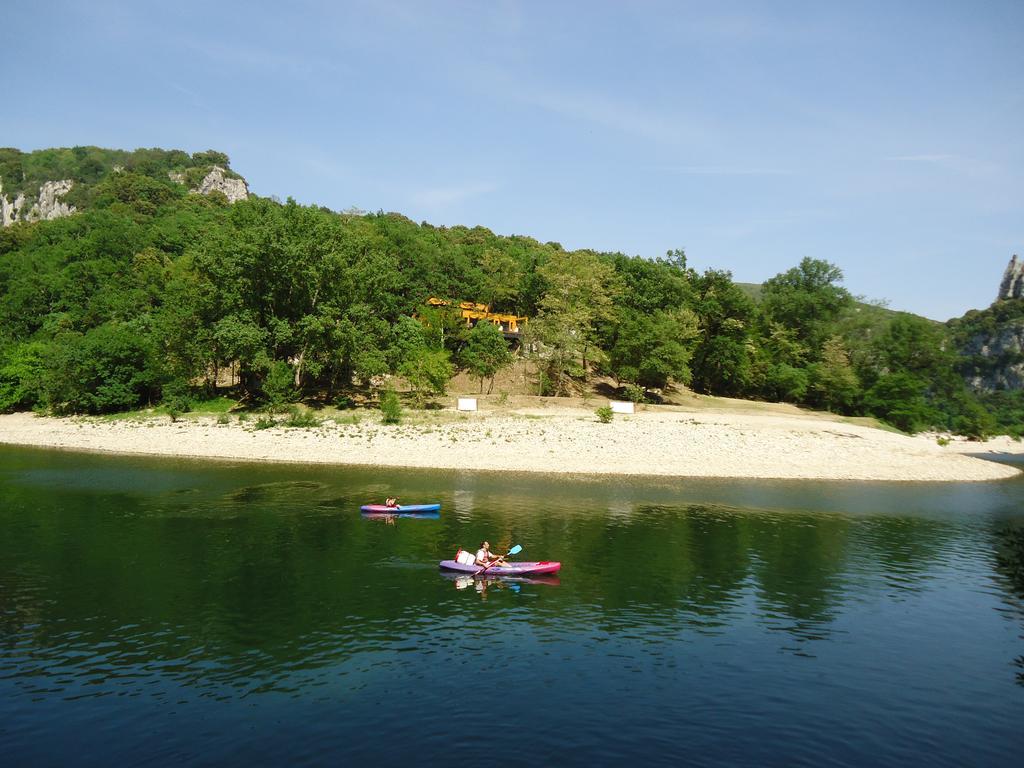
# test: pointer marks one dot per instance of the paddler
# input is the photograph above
(484, 556)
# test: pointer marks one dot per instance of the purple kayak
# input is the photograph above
(400, 508)
(509, 569)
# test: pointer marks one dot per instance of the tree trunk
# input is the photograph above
(298, 369)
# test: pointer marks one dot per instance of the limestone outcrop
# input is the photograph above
(998, 358)
(1012, 286)
(48, 204)
(991, 341)
(216, 181)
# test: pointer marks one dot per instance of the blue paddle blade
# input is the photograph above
(515, 550)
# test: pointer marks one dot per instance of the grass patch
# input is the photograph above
(143, 414)
(871, 421)
(214, 405)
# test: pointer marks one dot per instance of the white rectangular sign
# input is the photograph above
(621, 406)
(467, 403)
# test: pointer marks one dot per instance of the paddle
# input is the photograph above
(514, 551)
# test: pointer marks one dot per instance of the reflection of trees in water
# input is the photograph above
(904, 546)
(800, 560)
(699, 566)
(1009, 547)
(248, 585)
(1010, 555)
(665, 566)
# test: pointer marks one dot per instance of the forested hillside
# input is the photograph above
(23, 173)
(149, 291)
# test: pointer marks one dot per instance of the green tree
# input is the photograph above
(580, 292)
(649, 350)
(899, 398)
(834, 384)
(428, 372)
(22, 367)
(722, 360)
(279, 386)
(486, 353)
(808, 300)
(110, 368)
(783, 382)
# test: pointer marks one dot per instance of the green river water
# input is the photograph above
(167, 612)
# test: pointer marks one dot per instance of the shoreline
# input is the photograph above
(567, 441)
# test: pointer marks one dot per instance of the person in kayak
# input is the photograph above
(485, 558)
(391, 502)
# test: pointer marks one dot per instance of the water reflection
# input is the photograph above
(186, 583)
(1009, 551)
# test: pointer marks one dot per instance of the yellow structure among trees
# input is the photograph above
(472, 313)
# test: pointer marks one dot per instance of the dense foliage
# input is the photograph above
(150, 293)
(24, 172)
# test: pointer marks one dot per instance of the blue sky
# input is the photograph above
(884, 137)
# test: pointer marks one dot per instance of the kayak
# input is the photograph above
(509, 569)
(402, 513)
(400, 508)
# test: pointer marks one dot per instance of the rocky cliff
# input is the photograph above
(217, 180)
(996, 358)
(991, 341)
(47, 205)
(1012, 286)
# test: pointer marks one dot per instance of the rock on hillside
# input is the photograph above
(1012, 286)
(234, 189)
(48, 204)
(997, 358)
(50, 183)
(991, 341)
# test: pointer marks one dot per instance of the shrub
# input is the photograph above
(177, 398)
(633, 393)
(110, 368)
(265, 422)
(223, 419)
(344, 402)
(279, 386)
(604, 414)
(390, 407)
(21, 369)
(298, 417)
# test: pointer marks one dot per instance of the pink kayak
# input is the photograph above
(509, 569)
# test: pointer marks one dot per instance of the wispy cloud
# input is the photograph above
(972, 167)
(441, 197)
(721, 170)
(598, 109)
(616, 114)
(935, 158)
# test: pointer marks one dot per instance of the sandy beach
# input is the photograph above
(564, 440)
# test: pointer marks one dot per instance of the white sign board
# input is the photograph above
(467, 403)
(621, 406)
